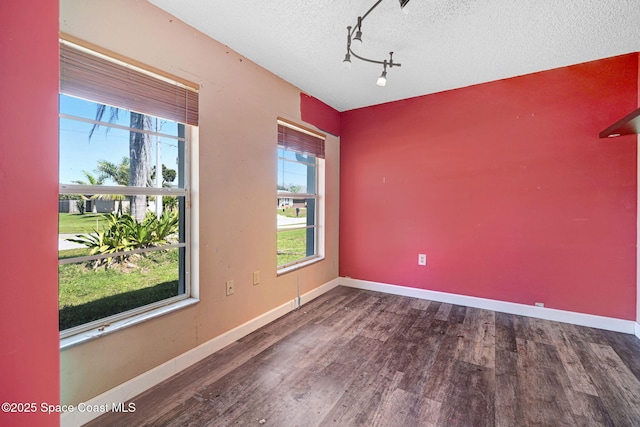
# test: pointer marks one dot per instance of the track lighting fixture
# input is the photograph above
(355, 33)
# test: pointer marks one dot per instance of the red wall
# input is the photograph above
(29, 349)
(319, 114)
(505, 186)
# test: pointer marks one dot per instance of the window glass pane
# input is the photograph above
(81, 157)
(87, 293)
(89, 110)
(292, 213)
(292, 245)
(296, 229)
(96, 288)
(94, 155)
(297, 177)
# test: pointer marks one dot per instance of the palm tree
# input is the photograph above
(118, 174)
(91, 180)
(140, 162)
(139, 155)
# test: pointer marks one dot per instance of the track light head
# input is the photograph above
(346, 63)
(359, 30)
(382, 80)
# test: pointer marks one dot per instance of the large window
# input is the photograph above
(299, 203)
(124, 190)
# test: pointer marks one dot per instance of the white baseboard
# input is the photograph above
(143, 382)
(582, 319)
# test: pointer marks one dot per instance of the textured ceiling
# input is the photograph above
(441, 44)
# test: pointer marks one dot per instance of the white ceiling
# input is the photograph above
(441, 44)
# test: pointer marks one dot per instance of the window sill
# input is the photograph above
(83, 337)
(293, 267)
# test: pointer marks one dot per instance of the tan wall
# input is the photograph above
(239, 105)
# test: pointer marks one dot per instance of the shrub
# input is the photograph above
(166, 226)
(123, 233)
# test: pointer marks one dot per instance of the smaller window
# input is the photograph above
(298, 207)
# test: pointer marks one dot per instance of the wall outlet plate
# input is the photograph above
(256, 277)
(422, 259)
(229, 287)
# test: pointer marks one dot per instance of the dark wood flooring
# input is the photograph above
(361, 358)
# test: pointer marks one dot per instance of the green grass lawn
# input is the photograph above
(291, 212)
(292, 245)
(79, 223)
(86, 294)
(72, 253)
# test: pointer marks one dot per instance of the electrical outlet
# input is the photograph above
(256, 277)
(539, 304)
(422, 259)
(229, 287)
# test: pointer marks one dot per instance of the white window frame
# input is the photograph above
(318, 196)
(89, 331)
(190, 192)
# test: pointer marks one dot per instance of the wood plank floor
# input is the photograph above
(361, 358)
